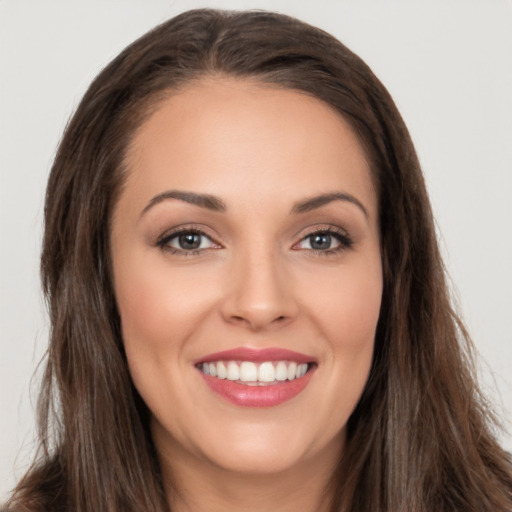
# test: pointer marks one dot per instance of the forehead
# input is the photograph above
(229, 136)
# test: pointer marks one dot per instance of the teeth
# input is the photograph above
(254, 373)
(267, 372)
(248, 372)
(292, 371)
(233, 372)
(281, 371)
(221, 370)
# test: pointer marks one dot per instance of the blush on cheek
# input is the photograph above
(353, 319)
(143, 301)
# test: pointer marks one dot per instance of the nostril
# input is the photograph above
(257, 322)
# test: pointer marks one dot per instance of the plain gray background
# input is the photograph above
(447, 63)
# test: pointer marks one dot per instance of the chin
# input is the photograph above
(268, 453)
(260, 456)
(254, 447)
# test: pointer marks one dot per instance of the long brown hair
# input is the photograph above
(421, 438)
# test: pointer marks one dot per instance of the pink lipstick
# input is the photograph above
(257, 377)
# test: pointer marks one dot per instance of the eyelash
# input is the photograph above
(345, 241)
(164, 240)
(341, 236)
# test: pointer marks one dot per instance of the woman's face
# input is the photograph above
(245, 249)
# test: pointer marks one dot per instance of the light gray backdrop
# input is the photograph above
(447, 63)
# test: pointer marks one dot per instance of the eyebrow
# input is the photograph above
(216, 204)
(317, 201)
(203, 200)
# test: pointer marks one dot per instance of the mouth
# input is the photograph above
(252, 373)
(257, 378)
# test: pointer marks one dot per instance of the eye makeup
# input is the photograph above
(187, 241)
(191, 240)
(324, 240)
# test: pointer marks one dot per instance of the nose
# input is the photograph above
(259, 293)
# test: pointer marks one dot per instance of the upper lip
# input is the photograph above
(257, 355)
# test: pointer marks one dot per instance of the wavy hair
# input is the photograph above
(421, 437)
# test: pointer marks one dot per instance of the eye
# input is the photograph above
(326, 241)
(187, 241)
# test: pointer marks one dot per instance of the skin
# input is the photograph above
(255, 282)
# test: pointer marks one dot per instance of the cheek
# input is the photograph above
(347, 315)
(163, 312)
(146, 311)
(158, 307)
(160, 311)
(347, 305)
(146, 315)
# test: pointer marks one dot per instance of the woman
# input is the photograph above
(248, 306)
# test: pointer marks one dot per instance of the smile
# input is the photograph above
(255, 374)
(257, 378)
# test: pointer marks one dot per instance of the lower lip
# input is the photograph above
(258, 396)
